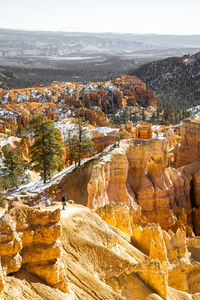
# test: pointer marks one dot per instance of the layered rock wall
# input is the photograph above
(30, 240)
(190, 146)
(172, 251)
(137, 175)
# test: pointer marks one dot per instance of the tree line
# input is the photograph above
(47, 153)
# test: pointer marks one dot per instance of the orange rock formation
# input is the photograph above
(30, 239)
(190, 145)
(136, 174)
(144, 131)
(104, 263)
(82, 99)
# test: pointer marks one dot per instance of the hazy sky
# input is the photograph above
(131, 16)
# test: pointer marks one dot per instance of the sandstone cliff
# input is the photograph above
(135, 174)
(190, 144)
(101, 262)
(30, 240)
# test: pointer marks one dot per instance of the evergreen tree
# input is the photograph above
(143, 115)
(79, 144)
(153, 118)
(134, 118)
(125, 116)
(71, 142)
(47, 150)
(14, 168)
(120, 136)
(19, 131)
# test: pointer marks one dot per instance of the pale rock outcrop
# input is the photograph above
(30, 239)
(107, 255)
(171, 250)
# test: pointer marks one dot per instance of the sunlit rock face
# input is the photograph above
(173, 252)
(1, 279)
(15, 143)
(190, 146)
(102, 261)
(135, 174)
(30, 240)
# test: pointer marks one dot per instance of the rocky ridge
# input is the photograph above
(138, 175)
(64, 99)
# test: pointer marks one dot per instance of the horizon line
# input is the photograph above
(96, 32)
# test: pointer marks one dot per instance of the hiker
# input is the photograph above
(64, 202)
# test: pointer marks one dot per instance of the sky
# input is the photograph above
(124, 16)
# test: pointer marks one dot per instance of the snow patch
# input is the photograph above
(105, 130)
(195, 111)
(38, 187)
(155, 127)
(9, 141)
(20, 98)
(7, 114)
(4, 99)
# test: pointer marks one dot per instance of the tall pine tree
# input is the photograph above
(47, 151)
(79, 143)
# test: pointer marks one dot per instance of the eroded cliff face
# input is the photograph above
(190, 145)
(137, 175)
(142, 247)
(174, 251)
(102, 262)
(30, 240)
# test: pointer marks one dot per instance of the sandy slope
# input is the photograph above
(96, 256)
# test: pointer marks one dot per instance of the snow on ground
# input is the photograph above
(64, 126)
(1, 214)
(195, 111)
(48, 92)
(8, 140)
(63, 114)
(110, 88)
(20, 98)
(4, 99)
(155, 127)
(7, 114)
(160, 136)
(34, 93)
(105, 130)
(35, 188)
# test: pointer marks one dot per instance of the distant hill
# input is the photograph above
(176, 79)
(40, 57)
(19, 43)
